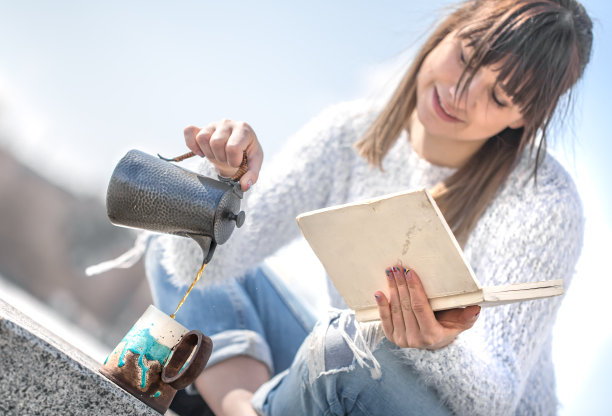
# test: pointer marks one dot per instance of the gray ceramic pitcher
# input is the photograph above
(149, 193)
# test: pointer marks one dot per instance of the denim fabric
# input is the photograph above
(343, 387)
(255, 315)
(259, 317)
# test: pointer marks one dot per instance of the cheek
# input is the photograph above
(427, 71)
(421, 76)
(492, 122)
(425, 80)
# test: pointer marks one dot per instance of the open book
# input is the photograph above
(357, 242)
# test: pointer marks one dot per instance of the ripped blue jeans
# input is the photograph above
(318, 374)
(328, 378)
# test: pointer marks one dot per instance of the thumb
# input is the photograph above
(471, 314)
(463, 318)
(252, 174)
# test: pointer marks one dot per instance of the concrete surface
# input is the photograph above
(41, 374)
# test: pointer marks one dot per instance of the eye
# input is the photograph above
(497, 101)
(462, 56)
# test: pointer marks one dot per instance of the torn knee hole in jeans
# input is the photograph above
(341, 345)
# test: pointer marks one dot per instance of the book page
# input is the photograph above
(437, 304)
(357, 242)
(499, 295)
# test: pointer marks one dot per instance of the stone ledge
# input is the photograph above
(41, 373)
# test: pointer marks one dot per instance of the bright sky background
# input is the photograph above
(81, 82)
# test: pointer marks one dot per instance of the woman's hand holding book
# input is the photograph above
(408, 320)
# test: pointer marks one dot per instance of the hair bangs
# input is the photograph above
(528, 44)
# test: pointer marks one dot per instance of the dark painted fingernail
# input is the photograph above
(408, 274)
(377, 296)
(395, 269)
(388, 271)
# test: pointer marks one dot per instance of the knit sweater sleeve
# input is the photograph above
(526, 235)
(312, 166)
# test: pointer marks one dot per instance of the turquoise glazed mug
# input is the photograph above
(157, 357)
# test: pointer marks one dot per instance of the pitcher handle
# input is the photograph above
(178, 372)
(241, 169)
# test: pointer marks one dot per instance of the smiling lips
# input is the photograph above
(442, 112)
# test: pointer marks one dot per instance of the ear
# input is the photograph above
(517, 123)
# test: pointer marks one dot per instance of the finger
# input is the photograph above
(241, 139)
(410, 322)
(254, 163)
(453, 322)
(420, 304)
(384, 311)
(399, 327)
(218, 141)
(190, 133)
(202, 140)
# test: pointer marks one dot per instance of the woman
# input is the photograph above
(469, 121)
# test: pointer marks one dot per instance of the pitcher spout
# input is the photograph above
(207, 245)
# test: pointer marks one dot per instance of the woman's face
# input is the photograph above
(482, 112)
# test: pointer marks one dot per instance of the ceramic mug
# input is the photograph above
(157, 357)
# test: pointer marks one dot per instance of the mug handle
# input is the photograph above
(178, 374)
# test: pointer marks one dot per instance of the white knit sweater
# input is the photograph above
(530, 232)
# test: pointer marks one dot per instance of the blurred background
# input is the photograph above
(82, 82)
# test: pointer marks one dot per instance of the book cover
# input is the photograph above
(356, 242)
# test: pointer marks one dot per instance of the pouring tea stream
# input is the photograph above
(150, 193)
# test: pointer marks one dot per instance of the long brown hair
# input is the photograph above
(541, 48)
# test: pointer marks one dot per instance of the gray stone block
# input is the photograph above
(41, 374)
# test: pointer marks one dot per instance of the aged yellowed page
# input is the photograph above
(357, 242)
